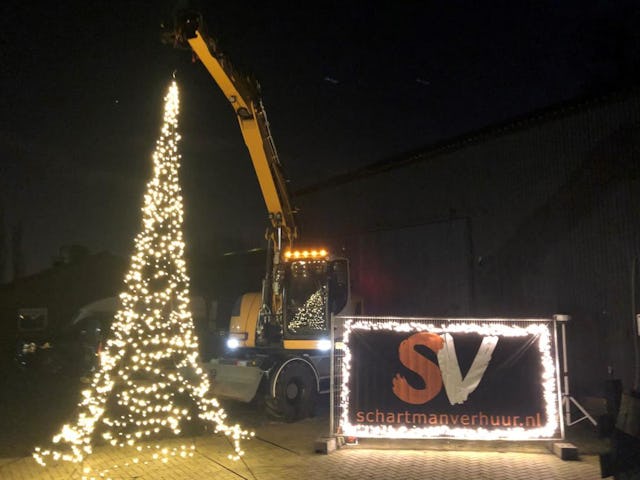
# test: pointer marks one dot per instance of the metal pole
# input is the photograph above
(558, 385)
(567, 399)
(565, 374)
(332, 376)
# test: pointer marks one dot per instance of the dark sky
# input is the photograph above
(345, 84)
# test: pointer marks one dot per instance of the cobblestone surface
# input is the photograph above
(286, 451)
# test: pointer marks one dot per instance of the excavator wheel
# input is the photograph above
(296, 392)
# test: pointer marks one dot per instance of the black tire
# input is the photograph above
(296, 392)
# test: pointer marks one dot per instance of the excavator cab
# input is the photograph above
(313, 291)
(305, 294)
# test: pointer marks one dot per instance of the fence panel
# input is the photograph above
(445, 378)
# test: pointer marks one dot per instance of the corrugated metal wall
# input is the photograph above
(545, 215)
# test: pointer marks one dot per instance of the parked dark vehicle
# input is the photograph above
(72, 351)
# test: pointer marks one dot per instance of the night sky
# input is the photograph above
(344, 85)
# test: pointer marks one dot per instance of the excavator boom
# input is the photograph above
(244, 98)
(277, 338)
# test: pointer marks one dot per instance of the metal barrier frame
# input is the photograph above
(559, 405)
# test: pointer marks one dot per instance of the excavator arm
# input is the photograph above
(244, 98)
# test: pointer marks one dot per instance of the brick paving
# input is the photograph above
(285, 451)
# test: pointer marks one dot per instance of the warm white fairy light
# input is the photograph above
(311, 314)
(484, 327)
(149, 376)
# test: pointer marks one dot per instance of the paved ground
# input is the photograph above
(286, 451)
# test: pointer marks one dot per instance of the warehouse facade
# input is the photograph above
(531, 218)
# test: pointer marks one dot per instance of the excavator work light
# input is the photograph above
(235, 339)
(305, 254)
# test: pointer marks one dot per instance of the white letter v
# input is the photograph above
(458, 389)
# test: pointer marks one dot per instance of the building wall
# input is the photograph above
(550, 208)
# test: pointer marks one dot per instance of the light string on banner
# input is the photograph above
(539, 329)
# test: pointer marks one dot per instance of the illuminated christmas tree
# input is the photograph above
(148, 383)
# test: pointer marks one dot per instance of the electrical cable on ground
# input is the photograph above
(276, 445)
(73, 473)
(242, 460)
(224, 466)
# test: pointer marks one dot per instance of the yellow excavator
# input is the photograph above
(278, 348)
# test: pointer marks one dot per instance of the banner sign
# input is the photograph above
(474, 379)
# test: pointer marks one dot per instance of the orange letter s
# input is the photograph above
(428, 371)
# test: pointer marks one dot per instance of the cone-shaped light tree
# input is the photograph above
(148, 382)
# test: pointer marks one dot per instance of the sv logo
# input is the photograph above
(446, 373)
